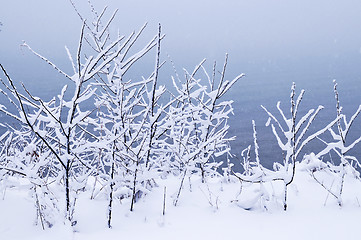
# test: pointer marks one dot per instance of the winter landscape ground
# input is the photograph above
(209, 211)
(116, 155)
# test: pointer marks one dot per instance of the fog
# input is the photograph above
(274, 42)
(266, 39)
(247, 30)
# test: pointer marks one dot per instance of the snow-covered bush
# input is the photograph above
(290, 135)
(25, 156)
(64, 124)
(347, 165)
(125, 124)
(255, 173)
(197, 124)
(122, 132)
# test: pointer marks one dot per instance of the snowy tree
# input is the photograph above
(348, 164)
(290, 136)
(125, 132)
(198, 123)
(293, 134)
(23, 155)
(126, 108)
(63, 124)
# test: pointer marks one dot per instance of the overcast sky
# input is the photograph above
(275, 42)
(252, 29)
(277, 36)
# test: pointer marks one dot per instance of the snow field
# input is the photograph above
(308, 217)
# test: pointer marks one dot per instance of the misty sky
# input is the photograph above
(253, 30)
(274, 42)
(268, 40)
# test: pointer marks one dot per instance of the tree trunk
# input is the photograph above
(67, 192)
(111, 196)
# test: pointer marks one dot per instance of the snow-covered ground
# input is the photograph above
(212, 210)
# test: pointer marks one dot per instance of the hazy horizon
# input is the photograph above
(274, 42)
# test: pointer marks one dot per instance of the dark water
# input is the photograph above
(266, 87)
(266, 82)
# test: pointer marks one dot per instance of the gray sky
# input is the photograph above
(203, 28)
(269, 40)
(272, 41)
(275, 42)
(276, 37)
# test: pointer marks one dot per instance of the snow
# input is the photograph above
(210, 211)
(150, 167)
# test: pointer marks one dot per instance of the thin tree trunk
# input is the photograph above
(164, 198)
(285, 199)
(67, 192)
(111, 196)
(134, 189)
(180, 188)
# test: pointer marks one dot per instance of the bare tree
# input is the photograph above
(348, 163)
(198, 123)
(61, 123)
(290, 135)
(120, 107)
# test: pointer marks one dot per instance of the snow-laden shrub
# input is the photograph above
(197, 124)
(347, 164)
(290, 134)
(122, 133)
(64, 125)
(25, 156)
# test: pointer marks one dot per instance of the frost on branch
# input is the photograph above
(290, 133)
(128, 117)
(198, 124)
(338, 146)
(118, 132)
(291, 136)
(112, 136)
(64, 126)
